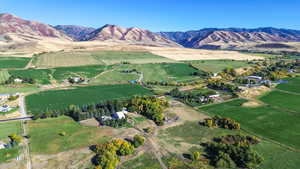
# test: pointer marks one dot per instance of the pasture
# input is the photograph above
(273, 123)
(215, 66)
(291, 86)
(282, 100)
(63, 73)
(152, 72)
(4, 76)
(13, 62)
(11, 89)
(61, 99)
(41, 76)
(80, 58)
(114, 77)
(46, 139)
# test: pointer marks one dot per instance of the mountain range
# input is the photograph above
(13, 28)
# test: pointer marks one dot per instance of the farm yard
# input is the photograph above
(13, 62)
(61, 99)
(41, 76)
(61, 59)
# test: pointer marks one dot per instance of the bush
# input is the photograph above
(138, 140)
(226, 123)
(196, 156)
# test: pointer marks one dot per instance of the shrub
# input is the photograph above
(196, 156)
(138, 140)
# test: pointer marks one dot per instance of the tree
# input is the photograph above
(123, 147)
(138, 140)
(109, 160)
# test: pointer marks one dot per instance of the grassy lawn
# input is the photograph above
(4, 76)
(63, 59)
(7, 128)
(217, 65)
(41, 76)
(45, 138)
(61, 99)
(282, 100)
(13, 62)
(63, 73)
(145, 161)
(279, 125)
(8, 154)
(11, 89)
(291, 86)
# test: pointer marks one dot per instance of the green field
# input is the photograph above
(291, 86)
(151, 72)
(7, 128)
(273, 123)
(45, 138)
(62, 59)
(4, 76)
(217, 65)
(115, 77)
(11, 89)
(41, 76)
(63, 73)
(8, 154)
(283, 100)
(13, 62)
(145, 161)
(61, 99)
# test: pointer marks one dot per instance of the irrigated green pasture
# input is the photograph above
(13, 62)
(41, 76)
(293, 85)
(61, 99)
(63, 73)
(267, 121)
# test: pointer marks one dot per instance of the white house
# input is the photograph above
(119, 115)
(254, 78)
(17, 80)
(5, 108)
(214, 96)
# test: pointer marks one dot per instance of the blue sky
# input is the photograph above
(160, 15)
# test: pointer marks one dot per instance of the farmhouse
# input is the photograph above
(256, 78)
(5, 108)
(17, 80)
(120, 114)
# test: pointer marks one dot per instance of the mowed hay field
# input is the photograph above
(4, 76)
(13, 62)
(217, 65)
(45, 137)
(267, 121)
(61, 99)
(80, 58)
